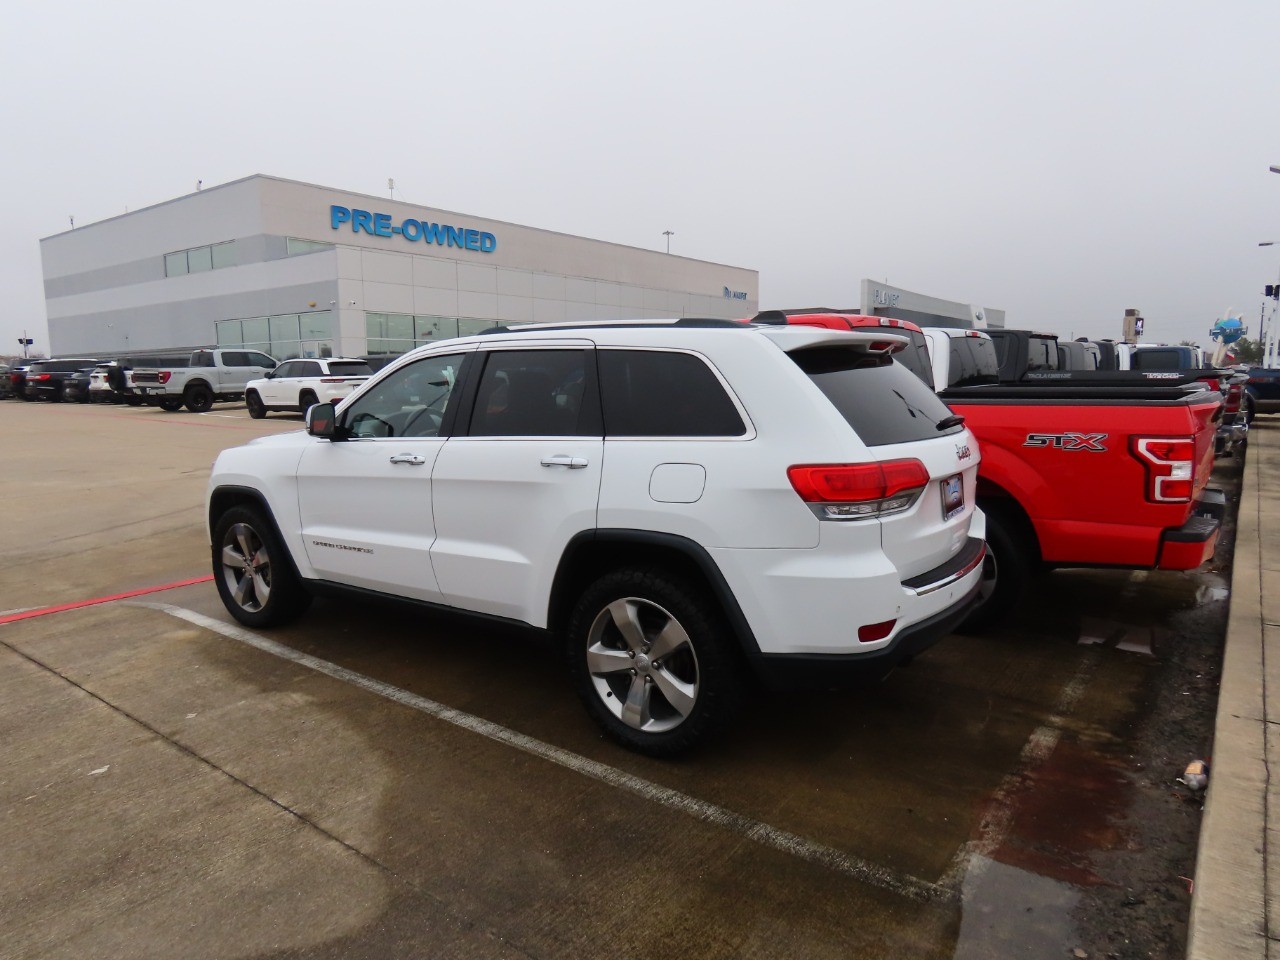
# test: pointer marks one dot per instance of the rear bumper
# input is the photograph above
(1188, 546)
(815, 671)
(1230, 437)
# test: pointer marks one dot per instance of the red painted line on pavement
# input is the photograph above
(63, 607)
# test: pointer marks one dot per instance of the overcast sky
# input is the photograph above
(1061, 161)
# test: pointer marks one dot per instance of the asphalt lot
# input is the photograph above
(380, 781)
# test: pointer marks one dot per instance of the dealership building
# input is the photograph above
(301, 270)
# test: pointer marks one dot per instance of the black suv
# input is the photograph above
(45, 377)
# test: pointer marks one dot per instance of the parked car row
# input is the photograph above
(812, 513)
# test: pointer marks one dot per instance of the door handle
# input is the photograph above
(560, 460)
(408, 458)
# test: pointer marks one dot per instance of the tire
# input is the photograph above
(658, 691)
(253, 571)
(198, 398)
(1010, 558)
(169, 404)
(307, 400)
(1246, 409)
(256, 408)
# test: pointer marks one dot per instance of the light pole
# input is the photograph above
(668, 234)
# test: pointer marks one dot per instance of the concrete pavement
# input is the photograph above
(1237, 881)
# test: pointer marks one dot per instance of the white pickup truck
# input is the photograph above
(212, 375)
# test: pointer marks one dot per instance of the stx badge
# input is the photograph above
(1089, 442)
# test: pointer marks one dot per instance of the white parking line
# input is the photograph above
(861, 870)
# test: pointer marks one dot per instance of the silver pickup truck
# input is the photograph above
(212, 375)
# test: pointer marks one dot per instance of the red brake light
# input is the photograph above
(164, 376)
(854, 491)
(333, 379)
(1170, 467)
(44, 376)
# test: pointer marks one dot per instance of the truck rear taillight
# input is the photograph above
(1232, 397)
(1170, 466)
(164, 375)
(857, 491)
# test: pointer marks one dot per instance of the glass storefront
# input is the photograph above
(286, 336)
(400, 332)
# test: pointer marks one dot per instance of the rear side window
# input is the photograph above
(660, 393)
(881, 400)
(350, 368)
(533, 393)
(973, 362)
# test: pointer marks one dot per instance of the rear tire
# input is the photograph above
(306, 400)
(257, 410)
(1010, 557)
(254, 572)
(654, 661)
(198, 398)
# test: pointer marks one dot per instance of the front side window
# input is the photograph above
(532, 393)
(411, 402)
(286, 370)
(259, 360)
(652, 393)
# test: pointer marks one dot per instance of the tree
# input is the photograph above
(1247, 351)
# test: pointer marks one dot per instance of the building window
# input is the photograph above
(401, 332)
(294, 246)
(199, 259)
(284, 336)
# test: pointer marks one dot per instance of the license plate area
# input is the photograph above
(952, 496)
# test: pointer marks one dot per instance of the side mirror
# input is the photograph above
(322, 421)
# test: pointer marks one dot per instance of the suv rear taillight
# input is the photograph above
(164, 376)
(856, 491)
(1170, 467)
(41, 377)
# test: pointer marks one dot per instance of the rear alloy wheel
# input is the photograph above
(198, 398)
(307, 400)
(654, 662)
(252, 569)
(257, 410)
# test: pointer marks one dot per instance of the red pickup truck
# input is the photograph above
(1078, 469)
(1094, 475)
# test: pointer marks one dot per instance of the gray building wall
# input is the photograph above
(106, 289)
(882, 300)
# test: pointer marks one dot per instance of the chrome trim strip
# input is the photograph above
(958, 575)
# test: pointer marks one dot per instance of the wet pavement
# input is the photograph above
(381, 781)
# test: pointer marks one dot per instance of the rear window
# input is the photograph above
(883, 401)
(916, 356)
(973, 362)
(1042, 354)
(350, 368)
(1172, 359)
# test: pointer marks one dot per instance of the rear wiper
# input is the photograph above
(946, 423)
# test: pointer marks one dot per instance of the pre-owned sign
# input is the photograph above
(443, 235)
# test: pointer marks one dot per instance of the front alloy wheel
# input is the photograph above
(246, 567)
(252, 569)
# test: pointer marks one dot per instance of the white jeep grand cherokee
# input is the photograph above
(686, 502)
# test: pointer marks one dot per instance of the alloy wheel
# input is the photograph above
(642, 665)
